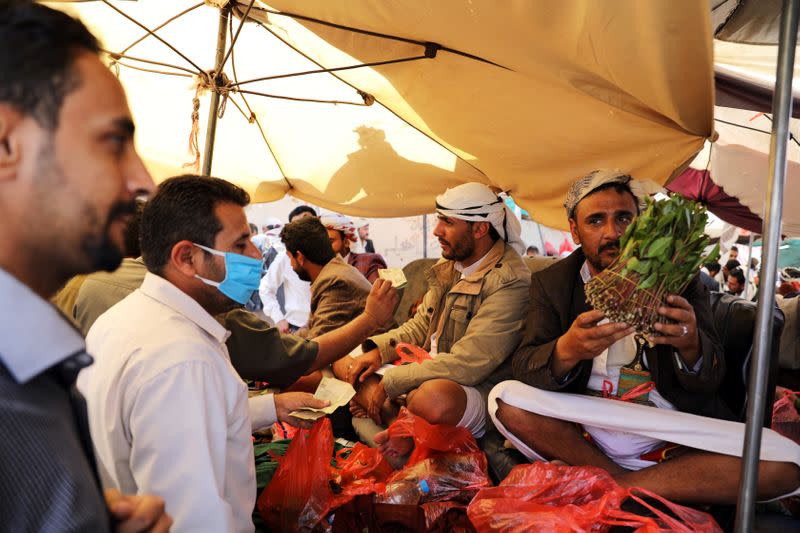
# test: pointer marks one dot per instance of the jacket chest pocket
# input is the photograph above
(461, 315)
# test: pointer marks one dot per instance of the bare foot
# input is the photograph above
(357, 411)
(396, 450)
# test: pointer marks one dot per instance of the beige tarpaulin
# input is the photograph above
(523, 95)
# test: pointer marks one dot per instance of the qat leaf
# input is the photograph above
(650, 281)
(659, 247)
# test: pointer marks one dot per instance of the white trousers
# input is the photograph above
(624, 430)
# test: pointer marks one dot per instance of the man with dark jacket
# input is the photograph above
(569, 348)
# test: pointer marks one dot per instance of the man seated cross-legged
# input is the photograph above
(470, 322)
(570, 356)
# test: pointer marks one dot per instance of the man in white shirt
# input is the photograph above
(285, 297)
(169, 413)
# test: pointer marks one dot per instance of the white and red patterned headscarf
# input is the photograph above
(340, 223)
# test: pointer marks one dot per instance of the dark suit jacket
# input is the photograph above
(557, 298)
(367, 264)
(369, 247)
(710, 283)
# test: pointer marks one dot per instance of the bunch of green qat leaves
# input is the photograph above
(660, 252)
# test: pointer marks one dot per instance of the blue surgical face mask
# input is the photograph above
(242, 275)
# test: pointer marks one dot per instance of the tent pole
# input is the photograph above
(541, 239)
(211, 131)
(424, 236)
(749, 267)
(757, 389)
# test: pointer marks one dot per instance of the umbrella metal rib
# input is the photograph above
(152, 33)
(334, 69)
(236, 37)
(253, 117)
(115, 56)
(298, 99)
(380, 35)
(163, 24)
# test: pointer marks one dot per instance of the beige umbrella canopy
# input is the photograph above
(525, 96)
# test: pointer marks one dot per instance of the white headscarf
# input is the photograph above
(475, 202)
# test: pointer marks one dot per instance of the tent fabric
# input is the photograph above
(738, 162)
(524, 96)
(732, 91)
(697, 185)
(579, 86)
(747, 21)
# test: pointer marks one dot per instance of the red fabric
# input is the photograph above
(698, 185)
(367, 264)
(566, 246)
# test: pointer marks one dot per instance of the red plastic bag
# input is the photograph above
(686, 520)
(785, 416)
(447, 458)
(410, 353)
(786, 422)
(363, 471)
(544, 497)
(431, 439)
(299, 495)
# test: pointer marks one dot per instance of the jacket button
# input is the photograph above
(498, 265)
(392, 343)
(430, 309)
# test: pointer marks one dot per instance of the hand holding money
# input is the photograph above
(333, 392)
(381, 302)
(394, 275)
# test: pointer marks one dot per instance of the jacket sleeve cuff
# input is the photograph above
(385, 344)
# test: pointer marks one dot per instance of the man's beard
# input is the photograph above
(599, 261)
(302, 273)
(103, 254)
(461, 249)
(99, 251)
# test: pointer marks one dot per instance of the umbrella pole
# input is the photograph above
(759, 365)
(211, 131)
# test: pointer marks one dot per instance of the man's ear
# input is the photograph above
(480, 229)
(300, 258)
(184, 257)
(10, 146)
(573, 229)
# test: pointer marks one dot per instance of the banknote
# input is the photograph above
(395, 275)
(338, 392)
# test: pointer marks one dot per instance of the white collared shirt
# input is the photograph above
(297, 293)
(167, 411)
(607, 365)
